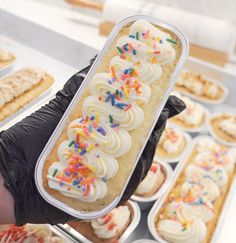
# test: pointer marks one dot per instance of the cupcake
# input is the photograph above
(172, 144)
(193, 118)
(223, 128)
(110, 227)
(200, 87)
(152, 182)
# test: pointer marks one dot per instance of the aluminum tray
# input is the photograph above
(158, 205)
(132, 226)
(48, 148)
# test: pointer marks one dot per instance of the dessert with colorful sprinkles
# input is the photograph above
(108, 228)
(223, 126)
(193, 118)
(6, 58)
(190, 211)
(172, 144)
(28, 233)
(200, 87)
(98, 148)
(21, 87)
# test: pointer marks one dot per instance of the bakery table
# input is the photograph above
(80, 33)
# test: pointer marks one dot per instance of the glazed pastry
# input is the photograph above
(88, 167)
(223, 126)
(29, 233)
(200, 87)
(6, 58)
(184, 231)
(20, 87)
(172, 144)
(193, 117)
(198, 193)
(152, 182)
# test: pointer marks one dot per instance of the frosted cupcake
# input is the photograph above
(193, 118)
(172, 144)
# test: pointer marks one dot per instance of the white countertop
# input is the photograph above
(84, 29)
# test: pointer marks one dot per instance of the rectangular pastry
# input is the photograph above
(97, 149)
(191, 209)
(21, 87)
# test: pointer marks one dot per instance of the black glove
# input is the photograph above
(21, 145)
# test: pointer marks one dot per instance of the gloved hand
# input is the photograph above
(21, 145)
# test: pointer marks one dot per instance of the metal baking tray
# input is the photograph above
(159, 204)
(123, 238)
(48, 148)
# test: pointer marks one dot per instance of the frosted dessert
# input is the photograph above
(172, 144)
(193, 206)
(108, 228)
(6, 58)
(152, 182)
(224, 127)
(193, 117)
(200, 87)
(20, 87)
(29, 233)
(98, 148)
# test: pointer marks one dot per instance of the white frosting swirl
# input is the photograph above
(198, 209)
(171, 140)
(110, 141)
(102, 83)
(112, 224)
(177, 232)
(103, 165)
(205, 186)
(129, 120)
(88, 192)
(216, 173)
(147, 72)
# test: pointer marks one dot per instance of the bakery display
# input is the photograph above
(155, 178)
(191, 209)
(6, 58)
(21, 87)
(29, 233)
(200, 87)
(223, 127)
(193, 118)
(172, 145)
(87, 168)
(109, 228)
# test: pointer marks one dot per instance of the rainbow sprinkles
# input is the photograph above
(90, 156)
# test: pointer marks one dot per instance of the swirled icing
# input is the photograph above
(187, 231)
(197, 208)
(95, 141)
(205, 186)
(228, 125)
(216, 173)
(112, 224)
